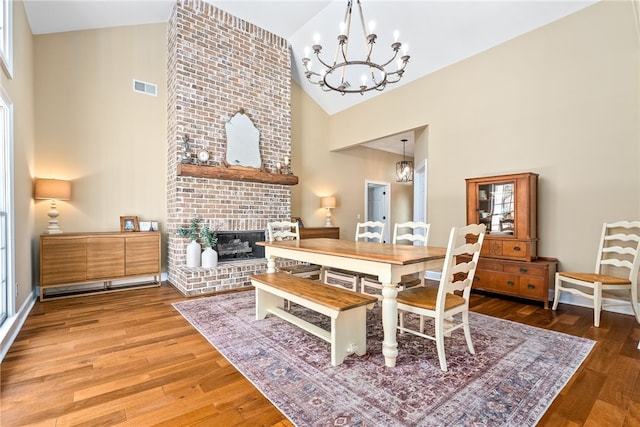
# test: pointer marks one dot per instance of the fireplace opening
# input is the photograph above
(239, 245)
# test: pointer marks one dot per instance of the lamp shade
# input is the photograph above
(57, 189)
(328, 202)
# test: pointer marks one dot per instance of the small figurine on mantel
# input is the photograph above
(185, 156)
(287, 166)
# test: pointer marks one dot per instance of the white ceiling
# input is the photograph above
(438, 32)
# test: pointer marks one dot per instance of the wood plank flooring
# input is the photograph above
(130, 359)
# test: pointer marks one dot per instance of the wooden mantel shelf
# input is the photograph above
(236, 173)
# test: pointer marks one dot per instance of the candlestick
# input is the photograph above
(286, 161)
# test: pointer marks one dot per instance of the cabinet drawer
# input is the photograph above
(505, 283)
(529, 270)
(532, 287)
(495, 281)
(515, 249)
(487, 264)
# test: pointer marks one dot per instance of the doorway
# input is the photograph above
(420, 192)
(377, 204)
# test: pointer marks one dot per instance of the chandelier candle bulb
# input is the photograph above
(286, 161)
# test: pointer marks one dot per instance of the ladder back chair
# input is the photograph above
(617, 265)
(285, 230)
(442, 304)
(370, 231)
(415, 232)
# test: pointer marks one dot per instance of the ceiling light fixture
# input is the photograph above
(336, 76)
(404, 169)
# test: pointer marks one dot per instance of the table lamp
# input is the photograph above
(54, 190)
(328, 203)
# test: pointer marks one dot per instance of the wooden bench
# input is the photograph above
(347, 309)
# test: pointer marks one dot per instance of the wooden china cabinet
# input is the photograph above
(509, 262)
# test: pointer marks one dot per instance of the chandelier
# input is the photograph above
(336, 75)
(404, 169)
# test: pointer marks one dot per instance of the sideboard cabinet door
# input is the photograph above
(63, 260)
(105, 257)
(143, 255)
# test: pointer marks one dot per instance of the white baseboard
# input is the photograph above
(608, 304)
(10, 328)
(433, 275)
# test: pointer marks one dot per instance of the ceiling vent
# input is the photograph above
(144, 87)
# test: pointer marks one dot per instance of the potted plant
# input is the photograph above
(210, 239)
(193, 248)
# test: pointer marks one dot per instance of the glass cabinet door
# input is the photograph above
(496, 207)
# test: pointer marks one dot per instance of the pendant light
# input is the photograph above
(404, 169)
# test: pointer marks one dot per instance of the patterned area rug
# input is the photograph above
(516, 373)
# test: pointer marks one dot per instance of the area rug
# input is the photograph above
(512, 379)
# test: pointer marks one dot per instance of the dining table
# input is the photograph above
(389, 262)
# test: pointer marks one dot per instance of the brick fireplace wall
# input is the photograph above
(217, 65)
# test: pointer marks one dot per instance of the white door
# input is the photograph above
(377, 200)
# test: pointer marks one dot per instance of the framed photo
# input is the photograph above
(129, 223)
(298, 220)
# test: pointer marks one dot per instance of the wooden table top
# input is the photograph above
(383, 252)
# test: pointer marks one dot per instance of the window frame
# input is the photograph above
(6, 43)
(7, 194)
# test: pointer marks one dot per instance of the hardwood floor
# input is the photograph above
(130, 359)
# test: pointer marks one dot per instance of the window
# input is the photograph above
(7, 296)
(6, 36)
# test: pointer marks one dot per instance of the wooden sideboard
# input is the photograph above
(81, 258)
(318, 232)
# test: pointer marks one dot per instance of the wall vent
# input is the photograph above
(144, 87)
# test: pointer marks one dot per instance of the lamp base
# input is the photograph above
(53, 227)
(328, 221)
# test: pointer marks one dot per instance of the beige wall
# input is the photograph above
(94, 130)
(341, 173)
(562, 101)
(20, 91)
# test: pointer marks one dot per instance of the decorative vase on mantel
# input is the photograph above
(209, 258)
(193, 254)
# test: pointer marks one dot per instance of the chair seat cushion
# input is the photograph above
(426, 298)
(593, 277)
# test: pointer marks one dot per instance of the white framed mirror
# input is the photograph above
(243, 142)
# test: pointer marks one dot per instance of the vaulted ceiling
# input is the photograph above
(438, 32)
